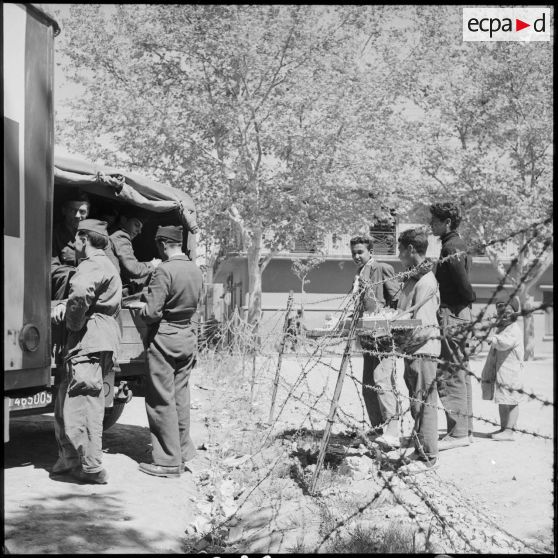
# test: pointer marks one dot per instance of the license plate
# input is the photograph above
(41, 399)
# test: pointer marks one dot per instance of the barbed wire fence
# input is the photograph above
(235, 338)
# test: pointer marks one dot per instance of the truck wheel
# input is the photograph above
(112, 414)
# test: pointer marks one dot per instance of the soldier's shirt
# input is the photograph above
(92, 307)
(173, 292)
(63, 246)
(121, 253)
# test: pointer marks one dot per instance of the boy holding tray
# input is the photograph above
(420, 299)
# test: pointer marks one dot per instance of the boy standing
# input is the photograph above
(379, 290)
(420, 299)
(456, 298)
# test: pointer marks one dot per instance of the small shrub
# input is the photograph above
(397, 538)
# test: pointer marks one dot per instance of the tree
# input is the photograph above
(269, 115)
(303, 266)
(484, 138)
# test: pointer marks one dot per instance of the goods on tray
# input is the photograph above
(377, 331)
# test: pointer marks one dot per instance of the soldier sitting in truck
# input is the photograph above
(134, 274)
(74, 210)
(64, 259)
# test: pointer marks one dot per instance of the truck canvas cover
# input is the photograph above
(138, 190)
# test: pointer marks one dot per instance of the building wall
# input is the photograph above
(331, 281)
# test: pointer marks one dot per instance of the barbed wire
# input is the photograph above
(387, 482)
(247, 340)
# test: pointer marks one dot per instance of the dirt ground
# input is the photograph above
(510, 482)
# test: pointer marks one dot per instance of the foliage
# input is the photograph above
(269, 115)
(285, 119)
(396, 538)
(301, 267)
(484, 139)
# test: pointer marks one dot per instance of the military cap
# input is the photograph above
(170, 232)
(93, 225)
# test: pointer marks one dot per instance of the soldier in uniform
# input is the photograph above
(75, 209)
(121, 252)
(64, 260)
(92, 343)
(172, 299)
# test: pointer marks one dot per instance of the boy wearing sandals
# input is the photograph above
(420, 299)
(502, 372)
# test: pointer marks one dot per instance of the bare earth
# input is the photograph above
(510, 483)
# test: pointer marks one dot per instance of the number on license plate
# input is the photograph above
(41, 399)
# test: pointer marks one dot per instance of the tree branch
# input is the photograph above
(267, 258)
(276, 73)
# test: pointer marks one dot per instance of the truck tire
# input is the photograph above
(112, 414)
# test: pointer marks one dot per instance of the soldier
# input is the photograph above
(93, 337)
(375, 280)
(172, 299)
(74, 210)
(64, 261)
(121, 252)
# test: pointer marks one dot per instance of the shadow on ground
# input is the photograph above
(32, 442)
(76, 523)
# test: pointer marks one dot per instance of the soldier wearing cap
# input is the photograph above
(121, 252)
(172, 299)
(89, 314)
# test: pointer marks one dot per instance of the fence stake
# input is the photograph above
(280, 356)
(336, 394)
(253, 381)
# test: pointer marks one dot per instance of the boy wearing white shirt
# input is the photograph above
(420, 299)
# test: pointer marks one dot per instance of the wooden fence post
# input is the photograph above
(280, 356)
(336, 394)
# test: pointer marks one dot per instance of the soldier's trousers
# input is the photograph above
(167, 401)
(454, 382)
(79, 410)
(378, 377)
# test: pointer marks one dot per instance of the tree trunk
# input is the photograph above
(254, 281)
(527, 303)
(208, 280)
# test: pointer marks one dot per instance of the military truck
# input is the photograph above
(35, 186)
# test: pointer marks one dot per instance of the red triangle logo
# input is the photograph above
(519, 25)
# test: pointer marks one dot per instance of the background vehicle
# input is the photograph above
(32, 197)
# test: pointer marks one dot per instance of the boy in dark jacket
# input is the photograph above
(456, 298)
